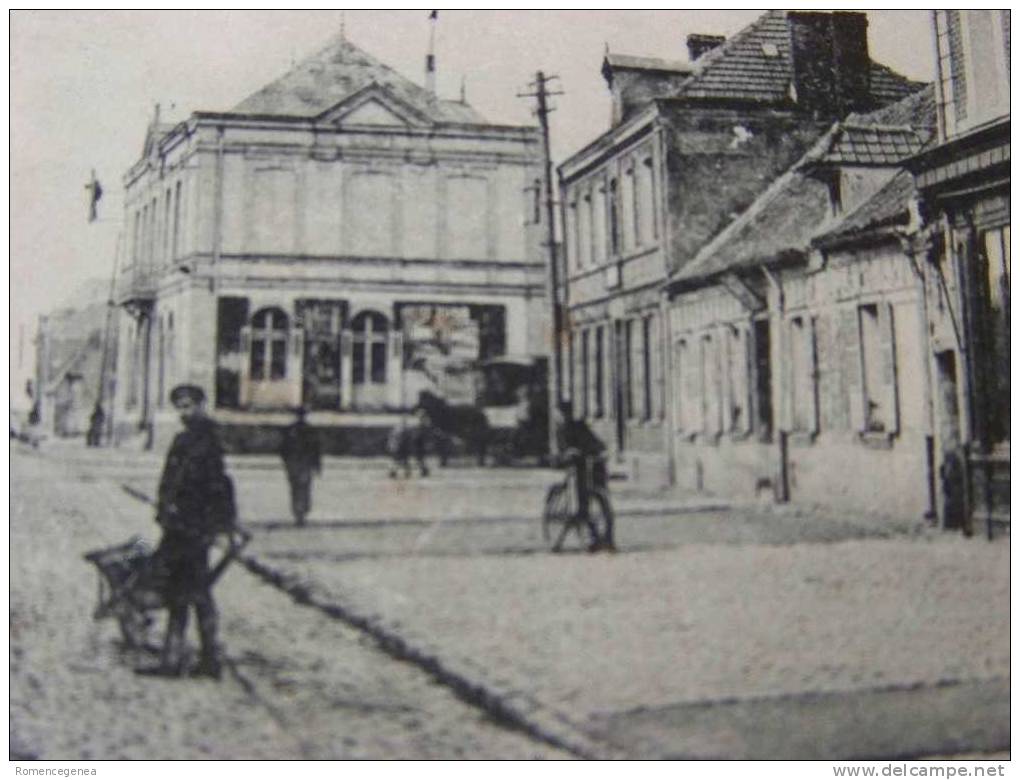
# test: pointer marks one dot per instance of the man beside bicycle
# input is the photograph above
(583, 453)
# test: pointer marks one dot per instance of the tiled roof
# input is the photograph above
(756, 64)
(782, 220)
(872, 145)
(873, 139)
(889, 206)
(792, 213)
(338, 71)
(740, 68)
(917, 110)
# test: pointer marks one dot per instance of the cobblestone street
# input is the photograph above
(710, 620)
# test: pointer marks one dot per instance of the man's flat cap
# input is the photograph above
(194, 392)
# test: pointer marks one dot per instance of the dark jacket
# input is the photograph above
(300, 449)
(196, 497)
(576, 435)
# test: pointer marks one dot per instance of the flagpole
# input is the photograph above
(430, 58)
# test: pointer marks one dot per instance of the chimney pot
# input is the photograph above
(699, 43)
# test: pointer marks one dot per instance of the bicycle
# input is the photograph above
(561, 514)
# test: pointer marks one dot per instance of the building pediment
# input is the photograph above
(374, 106)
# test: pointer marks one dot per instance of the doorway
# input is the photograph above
(952, 468)
(620, 380)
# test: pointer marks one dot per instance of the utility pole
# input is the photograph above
(542, 94)
(98, 411)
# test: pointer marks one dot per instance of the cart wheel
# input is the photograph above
(134, 627)
(556, 513)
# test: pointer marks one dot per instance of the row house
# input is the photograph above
(797, 334)
(692, 145)
(340, 239)
(964, 184)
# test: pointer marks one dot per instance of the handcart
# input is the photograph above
(132, 582)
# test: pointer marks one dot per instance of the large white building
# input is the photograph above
(338, 239)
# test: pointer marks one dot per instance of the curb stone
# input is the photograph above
(508, 706)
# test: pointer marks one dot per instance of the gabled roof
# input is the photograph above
(793, 213)
(782, 219)
(338, 71)
(756, 64)
(889, 206)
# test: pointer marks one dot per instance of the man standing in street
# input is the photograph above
(196, 502)
(302, 456)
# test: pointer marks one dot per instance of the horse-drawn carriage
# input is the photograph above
(508, 420)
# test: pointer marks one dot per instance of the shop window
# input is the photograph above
(269, 345)
(600, 357)
(370, 334)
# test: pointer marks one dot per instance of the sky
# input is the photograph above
(83, 87)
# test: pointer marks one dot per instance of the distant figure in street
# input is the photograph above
(302, 455)
(196, 502)
(94, 436)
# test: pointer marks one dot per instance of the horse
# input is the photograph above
(461, 421)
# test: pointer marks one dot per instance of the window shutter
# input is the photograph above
(748, 387)
(786, 377)
(680, 371)
(717, 389)
(814, 388)
(710, 352)
(727, 381)
(637, 362)
(658, 370)
(694, 399)
(887, 334)
(852, 368)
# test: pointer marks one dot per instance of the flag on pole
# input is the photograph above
(95, 191)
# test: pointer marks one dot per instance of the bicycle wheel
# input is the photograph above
(600, 512)
(556, 512)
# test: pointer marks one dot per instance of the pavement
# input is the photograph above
(718, 630)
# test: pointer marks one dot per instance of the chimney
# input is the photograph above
(830, 61)
(699, 43)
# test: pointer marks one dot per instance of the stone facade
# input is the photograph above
(340, 248)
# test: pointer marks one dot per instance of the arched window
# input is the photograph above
(268, 345)
(368, 361)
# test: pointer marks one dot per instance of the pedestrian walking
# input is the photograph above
(93, 438)
(302, 456)
(196, 502)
